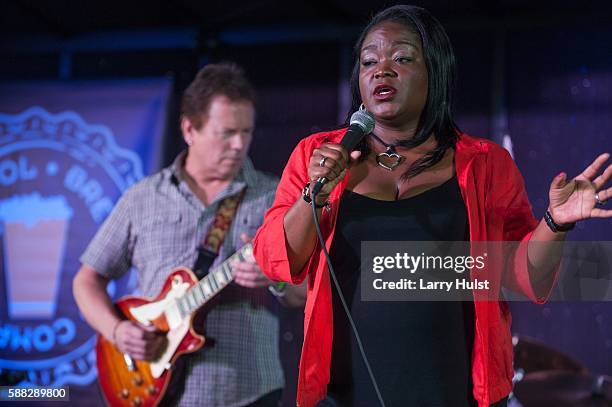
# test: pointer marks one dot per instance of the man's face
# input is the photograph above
(220, 146)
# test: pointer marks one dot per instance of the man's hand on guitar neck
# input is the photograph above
(247, 273)
(138, 341)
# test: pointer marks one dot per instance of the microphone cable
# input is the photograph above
(344, 305)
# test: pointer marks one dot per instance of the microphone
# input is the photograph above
(361, 124)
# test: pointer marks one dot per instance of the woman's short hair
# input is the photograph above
(436, 117)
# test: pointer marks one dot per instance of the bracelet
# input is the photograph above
(115, 331)
(308, 199)
(554, 226)
(278, 289)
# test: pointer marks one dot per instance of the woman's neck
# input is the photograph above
(391, 134)
(394, 134)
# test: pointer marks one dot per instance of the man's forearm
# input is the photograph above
(89, 291)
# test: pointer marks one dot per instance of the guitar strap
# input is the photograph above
(209, 248)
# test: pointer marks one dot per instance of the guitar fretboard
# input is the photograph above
(215, 281)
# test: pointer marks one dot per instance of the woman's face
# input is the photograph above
(393, 74)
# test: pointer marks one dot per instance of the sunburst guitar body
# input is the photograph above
(125, 381)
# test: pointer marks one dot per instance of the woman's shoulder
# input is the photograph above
(303, 150)
(316, 139)
(466, 143)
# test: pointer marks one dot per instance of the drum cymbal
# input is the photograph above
(531, 356)
(564, 389)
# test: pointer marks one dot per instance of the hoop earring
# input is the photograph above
(362, 107)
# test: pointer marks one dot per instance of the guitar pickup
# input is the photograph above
(129, 362)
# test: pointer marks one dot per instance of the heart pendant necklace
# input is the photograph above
(390, 158)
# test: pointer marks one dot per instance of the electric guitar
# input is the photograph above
(128, 382)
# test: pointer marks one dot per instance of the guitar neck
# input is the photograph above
(215, 281)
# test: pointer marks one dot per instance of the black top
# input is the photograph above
(419, 351)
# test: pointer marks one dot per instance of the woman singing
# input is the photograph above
(416, 177)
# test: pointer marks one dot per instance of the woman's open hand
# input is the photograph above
(582, 197)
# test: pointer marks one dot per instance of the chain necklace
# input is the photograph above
(390, 158)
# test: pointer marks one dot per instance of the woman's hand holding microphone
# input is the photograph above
(329, 161)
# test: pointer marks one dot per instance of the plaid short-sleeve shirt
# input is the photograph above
(157, 226)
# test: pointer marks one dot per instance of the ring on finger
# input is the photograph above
(322, 162)
(599, 201)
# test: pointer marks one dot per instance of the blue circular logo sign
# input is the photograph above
(59, 179)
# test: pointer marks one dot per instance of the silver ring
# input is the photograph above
(599, 201)
(322, 162)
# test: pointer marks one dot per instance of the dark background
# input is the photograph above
(539, 72)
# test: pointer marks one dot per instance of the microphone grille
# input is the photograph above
(363, 119)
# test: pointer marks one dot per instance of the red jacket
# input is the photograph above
(497, 209)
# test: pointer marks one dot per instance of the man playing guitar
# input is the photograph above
(159, 224)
